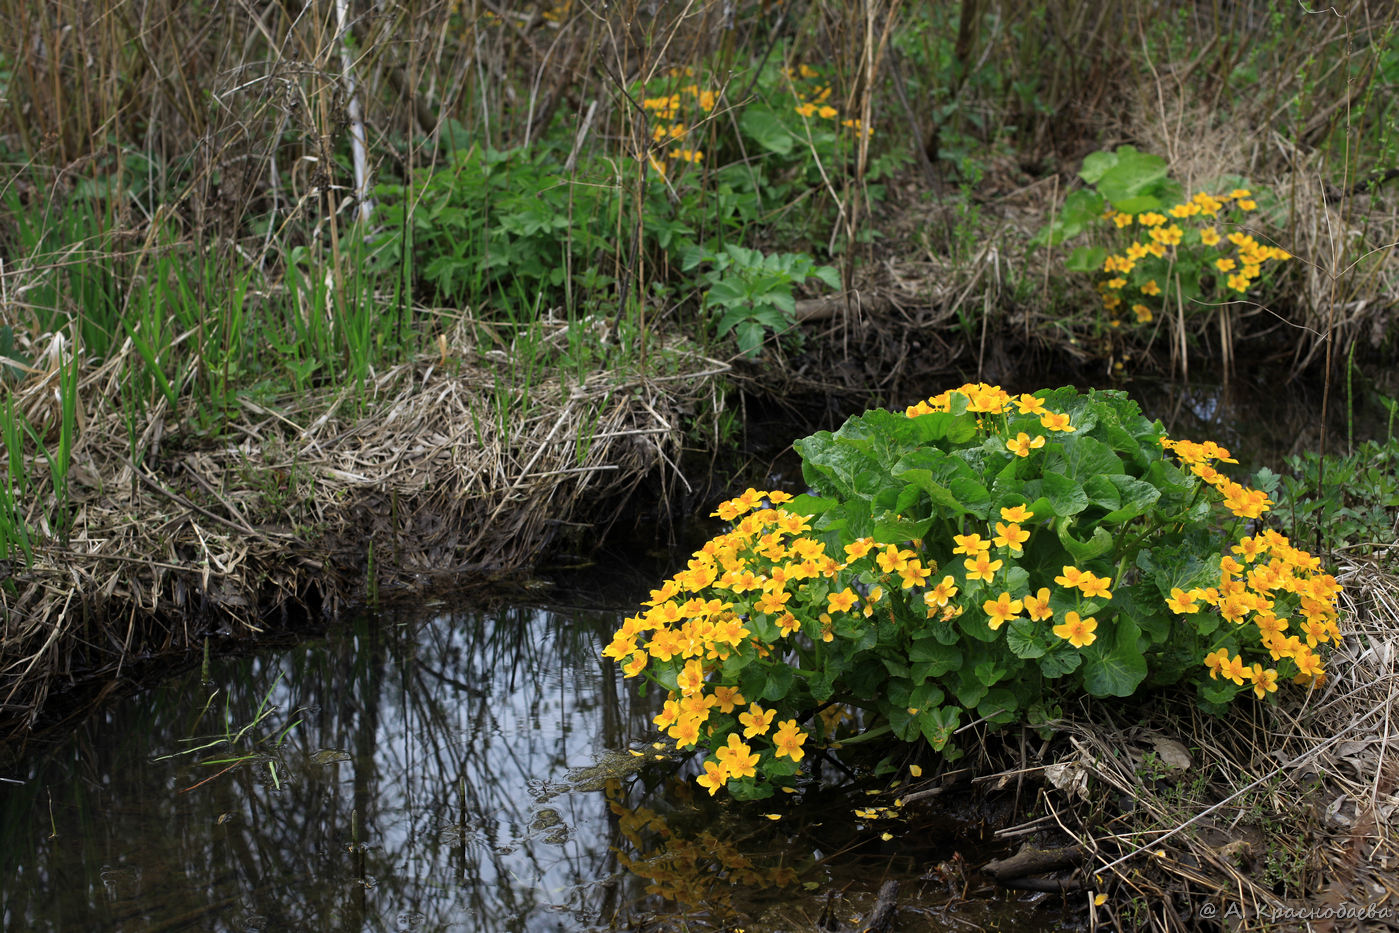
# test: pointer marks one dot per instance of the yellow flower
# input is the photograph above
(1246, 205)
(726, 698)
(1028, 404)
(1238, 283)
(1076, 631)
(1037, 606)
(1117, 282)
(1022, 444)
(970, 545)
(1233, 669)
(1180, 602)
(1185, 210)
(1055, 421)
(827, 112)
(1010, 536)
(738, 758)
(1092, 586)
(1224, 265)
(842, 601)
(1215, 661)
(1001, 610)
(1209, 236)
(756, 721)
(1018, 513)
(1265, 681)
(938, 596)
(981, 568)
(858, 548)
(789, 740)
(1122, 220)
(715, 776)
(1070, 578)
(1143, 313)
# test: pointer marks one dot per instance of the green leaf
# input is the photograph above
(1086, 259)
(1065, 496)
(1063, 660)
(1116, 667)
(779, 682)
(764, 127)
(1026, 639)
(938, 725)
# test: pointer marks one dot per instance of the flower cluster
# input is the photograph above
(675, 114)
(1138, 276)
(814, 98)
(958, 558)
(1261, 585)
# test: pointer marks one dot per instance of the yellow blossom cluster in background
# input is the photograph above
(814, 99)
(675, 115)
(1143, 270)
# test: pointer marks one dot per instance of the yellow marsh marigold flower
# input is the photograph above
(981, 567)
(788, 740)
(1238, 283)
(1209, 236)
(939, 595)
(1001, 610)
(1091, 586)
(756, 721)
(1224, 265)
(1143, 313)
(914, 574)
(1122, 220)
(1010, 536)
(1018, 513)
(737, 758)
(1028, 404)
(1076, 631)
(1245, 204)
(1180, 602)
(714, 777)
(1056, 421)
(827, 112)
(807, 110)
(1185, 210)
(726, 698)
(858, 548)
(1070, 578)
(1151, 288)
(1022, 444)
(1151, 219)
(1118, 282)
(1233, 669)
(842, 601)
(1037, 606)
(1215, 661)
(970, 545)
(1237, 193)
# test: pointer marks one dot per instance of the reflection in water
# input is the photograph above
(387, 787)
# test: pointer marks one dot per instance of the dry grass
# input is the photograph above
(407, 482)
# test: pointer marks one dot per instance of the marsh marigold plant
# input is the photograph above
(974, 558)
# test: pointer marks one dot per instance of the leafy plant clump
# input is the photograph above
(1164, 250)
(978, 557)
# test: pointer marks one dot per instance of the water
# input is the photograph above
(435, 769)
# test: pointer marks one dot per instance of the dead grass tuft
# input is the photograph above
(407, 481)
